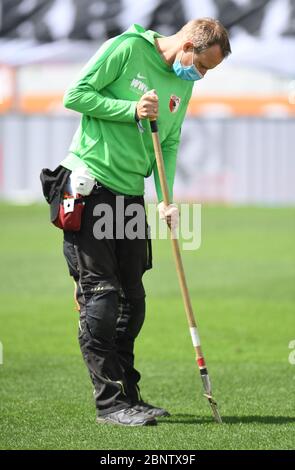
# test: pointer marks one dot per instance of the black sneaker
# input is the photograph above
(151, 410)
(128, 417)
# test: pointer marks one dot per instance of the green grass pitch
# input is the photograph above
(242, 283)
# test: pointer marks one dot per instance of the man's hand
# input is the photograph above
(170, 214)
(148, 106)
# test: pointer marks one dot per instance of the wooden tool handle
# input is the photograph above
(182, 280)
(175, 244)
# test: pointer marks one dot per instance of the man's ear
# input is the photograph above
(187, 46)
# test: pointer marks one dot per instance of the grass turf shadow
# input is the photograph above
(191, 419)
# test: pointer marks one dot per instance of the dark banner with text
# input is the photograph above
(44, 30)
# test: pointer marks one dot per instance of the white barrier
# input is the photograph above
(243, 161)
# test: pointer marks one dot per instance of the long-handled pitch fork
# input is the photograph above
(182, 280)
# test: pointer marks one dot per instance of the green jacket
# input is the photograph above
(108, 140)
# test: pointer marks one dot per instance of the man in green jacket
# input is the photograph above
(137, 76)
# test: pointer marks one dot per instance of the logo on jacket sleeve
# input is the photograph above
(174, 103)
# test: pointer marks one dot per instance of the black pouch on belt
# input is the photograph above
(65, 210)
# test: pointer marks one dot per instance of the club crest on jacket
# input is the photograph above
(174, 103)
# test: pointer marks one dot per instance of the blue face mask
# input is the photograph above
(189, 72)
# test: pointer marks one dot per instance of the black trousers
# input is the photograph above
(108, 274)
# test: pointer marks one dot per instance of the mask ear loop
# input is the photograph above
(181, 57)
(193, 56)
(194, 64)
(186, 66)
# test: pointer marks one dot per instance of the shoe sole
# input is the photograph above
(151, 422)
(162, 415)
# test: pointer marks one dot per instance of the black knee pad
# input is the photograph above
(101, 315)
(131, 316)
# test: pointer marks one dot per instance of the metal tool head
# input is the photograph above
(214, 408)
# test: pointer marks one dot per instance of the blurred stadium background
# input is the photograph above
(238, 139)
